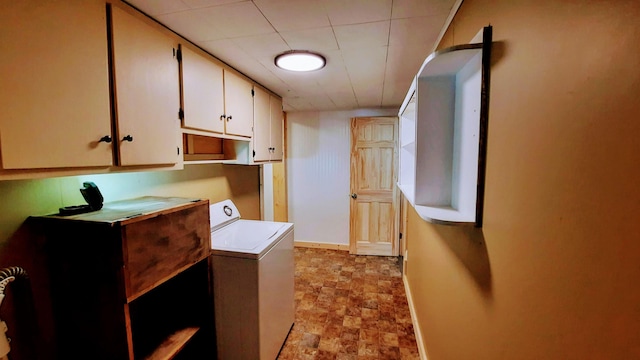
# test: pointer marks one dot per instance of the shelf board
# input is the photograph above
(172, 345)
(449, 61)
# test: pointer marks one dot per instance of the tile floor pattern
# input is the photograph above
(349, 307)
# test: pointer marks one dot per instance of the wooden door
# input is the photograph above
(55, 84)
(147, 92)
(238, 102)
(202, 92)
(374, 205)
(261, 125)
(276, 128)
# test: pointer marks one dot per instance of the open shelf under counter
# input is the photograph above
(207, 148)
(443, 126)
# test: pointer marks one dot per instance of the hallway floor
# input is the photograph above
(349, 307)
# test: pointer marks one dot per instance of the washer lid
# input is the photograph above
(222, 213)
(247, 236)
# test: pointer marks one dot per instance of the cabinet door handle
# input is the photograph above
(128, 138)
(228, 117)
(222, 117)
(106, 139)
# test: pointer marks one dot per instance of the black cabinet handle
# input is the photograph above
(222, 117)
(128, 138)
(228, 117)
(106, 139)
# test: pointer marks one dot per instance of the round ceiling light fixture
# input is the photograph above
(300, 60)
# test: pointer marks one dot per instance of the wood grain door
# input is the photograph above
(374, 204)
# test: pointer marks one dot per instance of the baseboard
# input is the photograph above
(316, 245)
(416, 326)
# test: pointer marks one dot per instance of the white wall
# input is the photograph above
(318, 156)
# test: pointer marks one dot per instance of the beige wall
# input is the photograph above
(554, 272)
(26, 309)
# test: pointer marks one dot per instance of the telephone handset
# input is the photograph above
(91, 195)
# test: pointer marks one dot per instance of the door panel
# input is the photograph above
(374, 217)
(55, 84)
(203, 92)
(147, 92)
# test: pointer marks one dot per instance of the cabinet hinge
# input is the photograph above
(254, 153)
(181, 114)
(177, 54)
(400, 236)
(178, 149)
(253, 93)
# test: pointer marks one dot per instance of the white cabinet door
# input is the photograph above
(238, 100)
(55, 84)
(147, 92)
(202, 93)
(262, 125)
(276, 125)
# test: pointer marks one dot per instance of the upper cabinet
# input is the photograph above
(214, 99)
(443, 127)
(55, 85)
(238, 105)
(268, 122)
(147, 92)
(202, 92)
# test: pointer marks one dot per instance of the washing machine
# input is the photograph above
(252, 273)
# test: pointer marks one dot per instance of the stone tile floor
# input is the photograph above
(349, 307)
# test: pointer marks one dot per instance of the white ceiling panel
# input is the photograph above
(343, 99)
(318, 39)
(373, 47)
(197, 4)
(287, 15)
(237, 19)
(417, 32)
(372, 34)
(412, 8)
(191, 26)
(342, 12)
(260, 46)
(158, 7)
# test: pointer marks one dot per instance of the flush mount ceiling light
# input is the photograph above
(300, 60)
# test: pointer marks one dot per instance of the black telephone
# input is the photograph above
(91, 195)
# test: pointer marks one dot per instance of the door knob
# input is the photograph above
(354, 196)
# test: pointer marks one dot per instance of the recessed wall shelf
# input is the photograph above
(443, 127)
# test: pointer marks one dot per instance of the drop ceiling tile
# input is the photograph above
(237, 20)
(157, 7)
(259, 46)
(318, 39)
(343, 99)
(225, 50)
(287, 15)
(369, 96)
(343, 12)
(197, 4)
(413, 8)
(190, 25)
(365, 66)
(363, 35)
(418, 32)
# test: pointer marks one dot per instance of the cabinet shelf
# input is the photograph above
(443, 122)
(173, 344)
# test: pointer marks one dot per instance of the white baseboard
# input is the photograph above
(416, 326)
(307, 244)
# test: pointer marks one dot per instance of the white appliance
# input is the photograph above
(252, 275)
